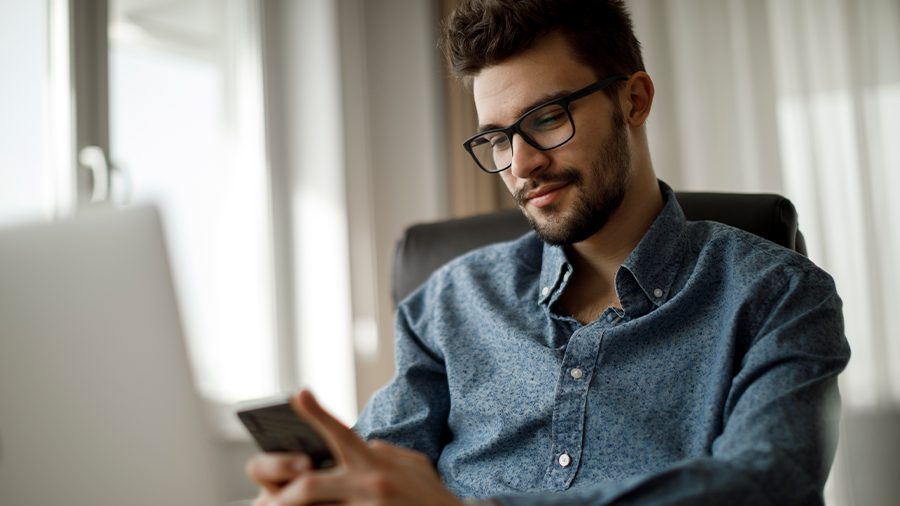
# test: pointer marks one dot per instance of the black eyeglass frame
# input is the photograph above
(516, 128)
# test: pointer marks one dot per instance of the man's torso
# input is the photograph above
(533, 400)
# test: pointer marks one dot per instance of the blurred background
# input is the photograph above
(289, 142)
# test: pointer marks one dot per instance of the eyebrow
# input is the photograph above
(549, 97)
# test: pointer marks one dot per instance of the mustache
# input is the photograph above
(567, 175)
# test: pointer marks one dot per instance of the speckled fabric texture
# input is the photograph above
(716, 383)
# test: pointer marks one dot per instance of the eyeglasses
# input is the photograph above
(545, 127)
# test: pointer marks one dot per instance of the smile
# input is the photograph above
(545, 195)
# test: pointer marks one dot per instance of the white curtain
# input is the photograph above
(838, 76)
(802, 98)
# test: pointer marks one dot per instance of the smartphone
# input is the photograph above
(276, 428)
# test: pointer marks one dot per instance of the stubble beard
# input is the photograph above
(599, 197)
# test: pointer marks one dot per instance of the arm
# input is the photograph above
(411, 410)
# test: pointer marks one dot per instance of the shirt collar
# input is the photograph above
(653, 264)
(655, 261)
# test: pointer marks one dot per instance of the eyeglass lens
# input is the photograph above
(546, 127)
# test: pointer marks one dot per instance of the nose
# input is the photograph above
(526, 159)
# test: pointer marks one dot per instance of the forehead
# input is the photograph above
(504, 91)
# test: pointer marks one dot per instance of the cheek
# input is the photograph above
(509, 180)
(586, 139)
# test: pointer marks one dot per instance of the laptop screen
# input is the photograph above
(97, 403)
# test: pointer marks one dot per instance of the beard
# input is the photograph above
(601, 188)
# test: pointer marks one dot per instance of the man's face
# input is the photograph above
(568, 193)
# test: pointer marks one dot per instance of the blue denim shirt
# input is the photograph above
(716, 383)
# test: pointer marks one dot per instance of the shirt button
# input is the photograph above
(565, 460)
(545, 291)
(657, 293)
(576, 373)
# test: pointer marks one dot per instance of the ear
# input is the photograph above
(637, 97)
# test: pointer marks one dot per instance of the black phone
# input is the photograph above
(277, 428)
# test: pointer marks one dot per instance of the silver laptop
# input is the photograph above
(97, 404)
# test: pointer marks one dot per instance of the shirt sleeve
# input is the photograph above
(780, 420)
(412, 409)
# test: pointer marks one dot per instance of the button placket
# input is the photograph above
(569, 410)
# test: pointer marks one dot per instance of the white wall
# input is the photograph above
(305, 145)
(355, 125)
(395, 155)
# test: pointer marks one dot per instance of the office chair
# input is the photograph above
(423, 248)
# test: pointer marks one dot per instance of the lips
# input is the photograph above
(544, 195)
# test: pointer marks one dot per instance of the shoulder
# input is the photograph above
(774, 298)
(744, 255)
(521, 256)
(497, 273)
(753, 273)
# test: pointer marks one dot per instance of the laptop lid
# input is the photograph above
(97, 403)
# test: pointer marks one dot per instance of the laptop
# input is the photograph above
(97, 401)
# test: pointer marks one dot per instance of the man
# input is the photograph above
(617, 355)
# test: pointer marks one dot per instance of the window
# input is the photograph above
(186, 133)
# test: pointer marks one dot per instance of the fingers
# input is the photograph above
(377, 473)
(399, 455)
(391, 475)
(318, 489)
(273, 471)
(348, 443)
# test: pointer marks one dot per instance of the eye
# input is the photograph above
(548, 119)
(499, 142)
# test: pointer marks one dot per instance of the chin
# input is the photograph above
(557, 228)
(584, 218)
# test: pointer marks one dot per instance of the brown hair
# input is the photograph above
(482, 33)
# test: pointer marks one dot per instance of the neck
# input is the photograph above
(597, 259)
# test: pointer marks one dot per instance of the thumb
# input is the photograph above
(349, 445)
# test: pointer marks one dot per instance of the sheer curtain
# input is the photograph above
(838, 80)
(800, 97)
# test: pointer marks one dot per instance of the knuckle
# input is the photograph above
(380, 485)
(283, 466)
(421, 457)
(251, 467)
(417, 458)
(307, 486)
(301, 463)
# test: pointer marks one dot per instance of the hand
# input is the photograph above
(374, 474)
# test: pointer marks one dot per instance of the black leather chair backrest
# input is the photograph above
(424, 248)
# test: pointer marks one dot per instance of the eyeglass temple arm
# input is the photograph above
(599, 85)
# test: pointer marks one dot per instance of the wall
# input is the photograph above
(396, 159)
